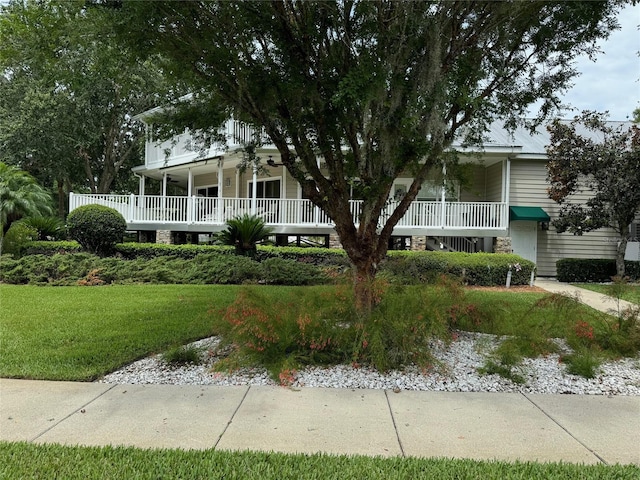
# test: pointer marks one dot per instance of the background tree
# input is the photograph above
(600, 158)
(69, 94)
(372, 88)
(20, 196)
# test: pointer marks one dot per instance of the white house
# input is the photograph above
(504, 208)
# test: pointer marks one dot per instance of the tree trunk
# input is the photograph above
(621, 250)
(364, 287)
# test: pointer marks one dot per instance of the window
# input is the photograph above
(266, 188)
(207, 191)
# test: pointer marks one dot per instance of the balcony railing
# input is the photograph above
(155, 209)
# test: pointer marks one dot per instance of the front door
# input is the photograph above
(524, 239)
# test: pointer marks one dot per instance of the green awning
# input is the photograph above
(530, 214)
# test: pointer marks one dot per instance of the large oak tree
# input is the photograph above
(372, 88)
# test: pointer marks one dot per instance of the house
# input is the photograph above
(503, 207)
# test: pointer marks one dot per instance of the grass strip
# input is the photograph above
(29, 461)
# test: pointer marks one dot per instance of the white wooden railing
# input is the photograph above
(140, 209)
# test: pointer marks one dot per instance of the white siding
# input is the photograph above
(494, 183)
(529, 188)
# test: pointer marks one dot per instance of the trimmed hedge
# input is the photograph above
(42, 247)
(131, 250)
(483, 269)
(593, 270)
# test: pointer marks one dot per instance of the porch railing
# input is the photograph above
(140, 209)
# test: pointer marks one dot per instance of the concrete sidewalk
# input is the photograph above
(504, 426)
(595, 300)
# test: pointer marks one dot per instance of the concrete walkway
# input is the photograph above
(593, 299)
(505, 426)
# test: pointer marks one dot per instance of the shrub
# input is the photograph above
(96, 227)
(278, 271)
(244, 233)
(224, 269)
(17, 238)
(183, 355)
(597, 270)
(48, 228)
(51, 248)
(132, 250)
(44, 269)
(484, 269)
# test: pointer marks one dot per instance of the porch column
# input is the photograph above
(164, 184)
(164, 198)
(220, 187)
(190, 198)
(444, 189)
(141, 185)
(254, 189)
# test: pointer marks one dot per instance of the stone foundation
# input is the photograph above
(334, 241)
(418, 244)
(164, 236)
(502, 245)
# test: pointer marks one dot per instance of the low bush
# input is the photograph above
(280, 271)
(485, 269)
(595, 270)
(96, 227)
(132, 250)
(182, 355)
(42, 247)
(48, 269)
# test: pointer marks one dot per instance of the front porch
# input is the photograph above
(295, 216)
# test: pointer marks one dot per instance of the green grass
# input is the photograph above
(81, 333)
(22, 460)
(630, 293)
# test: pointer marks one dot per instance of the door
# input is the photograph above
(524, 239)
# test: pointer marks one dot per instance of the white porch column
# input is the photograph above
(220, 205)
(254, 189)
(190, 198)
(164, 184)
(141, 185)
(164, 196)
(444, 195)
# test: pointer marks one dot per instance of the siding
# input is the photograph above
(476, 191)
(494, 182)
(529, 188)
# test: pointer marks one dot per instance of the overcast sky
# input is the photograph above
(613, 82)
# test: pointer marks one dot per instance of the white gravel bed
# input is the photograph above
(458, 372)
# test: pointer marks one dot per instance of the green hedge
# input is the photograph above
(218, 264)
(51, 248)
(485, 269)
(596, 270)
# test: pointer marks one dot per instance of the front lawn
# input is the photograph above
(22, 460)
(81, 333)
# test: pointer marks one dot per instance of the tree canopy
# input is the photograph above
(602, 159)
(69, 92)
(372, 89)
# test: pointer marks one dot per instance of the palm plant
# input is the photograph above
(20, 196)
(245, 232)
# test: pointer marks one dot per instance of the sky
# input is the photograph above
(613, 82)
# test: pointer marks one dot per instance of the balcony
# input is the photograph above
(295, 216)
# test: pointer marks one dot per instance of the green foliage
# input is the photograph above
(225, 269)
(280, 271)
(17, 238)
(133, 250)
(574, 270)
(605, 162)
(54, 269)
(486, 269)
(20, 196)
(583, 362)
(244, 233)
(69, 109)
(182, 355)
(51, 248)
(311, 255)
(96, 227)
(47, 228)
